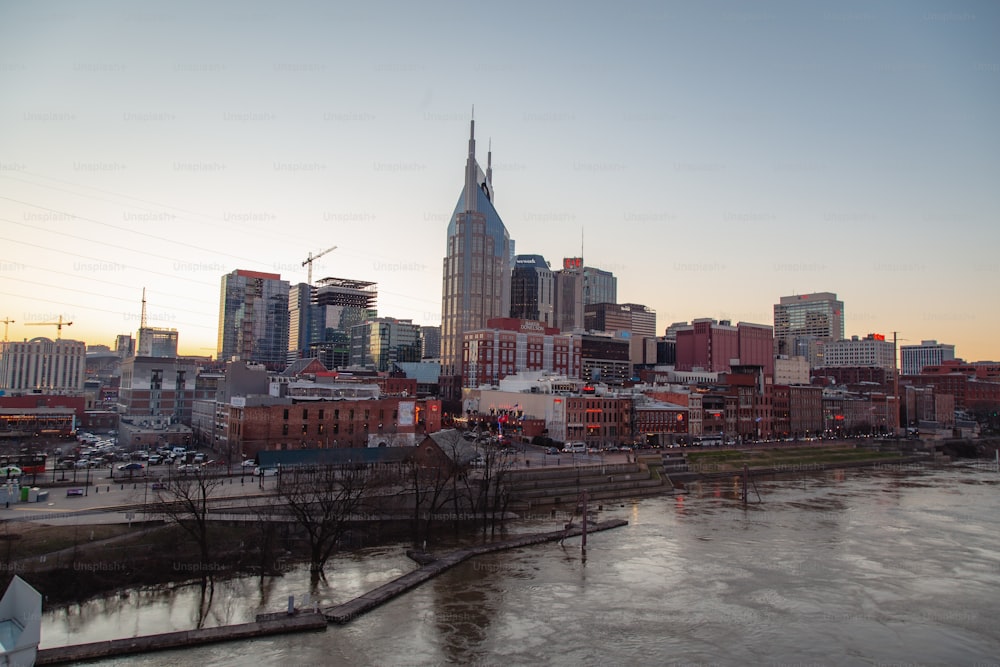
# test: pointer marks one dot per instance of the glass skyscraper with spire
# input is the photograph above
(477, 263)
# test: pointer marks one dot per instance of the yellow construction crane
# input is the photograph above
(58, 325)
(309, 262)
(6, 323)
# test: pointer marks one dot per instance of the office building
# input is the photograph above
(253, 318)
(477, 264)
(913, 358)
(381, 342)
(804, 323)
(532, 290)
(872, 350)
(430, 339)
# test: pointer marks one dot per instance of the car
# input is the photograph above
(159, 486)
(575, 448)
(131, 466)
(551, 450)
(82, 463)
(199, 458)
(154, 460)
(10, 471)
(188, 467)
(265, 472)
(249, 463)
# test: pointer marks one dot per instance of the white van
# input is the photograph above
(575, 447)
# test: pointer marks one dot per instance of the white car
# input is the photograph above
(265, 472)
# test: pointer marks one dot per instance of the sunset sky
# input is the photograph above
(715, 156)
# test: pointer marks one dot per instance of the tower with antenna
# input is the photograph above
(153, 341)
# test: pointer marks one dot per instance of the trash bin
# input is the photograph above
(43, 496)
(33, 494)
(24, 494)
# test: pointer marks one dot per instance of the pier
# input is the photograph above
(348, 611)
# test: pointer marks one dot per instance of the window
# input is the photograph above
(285, 414)
(305, 413)
(284, 429)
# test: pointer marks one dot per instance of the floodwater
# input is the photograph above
(896, 566)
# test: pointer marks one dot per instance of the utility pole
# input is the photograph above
(6, 323)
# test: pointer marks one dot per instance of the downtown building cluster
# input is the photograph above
(550, 351)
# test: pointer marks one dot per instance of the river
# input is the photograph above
(896, 566)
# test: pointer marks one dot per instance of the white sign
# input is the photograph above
(407, 410)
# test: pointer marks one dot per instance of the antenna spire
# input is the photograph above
(142, 319)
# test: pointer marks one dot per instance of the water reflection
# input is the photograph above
(842, 568)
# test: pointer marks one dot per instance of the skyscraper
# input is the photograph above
(477, 262)
(532, 290)
(253, 317)
(805, 322)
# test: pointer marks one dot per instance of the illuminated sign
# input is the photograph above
(573, 262)
(876, 336)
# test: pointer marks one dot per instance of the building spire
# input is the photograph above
(471, 180)
(142, 318)
(489, 167)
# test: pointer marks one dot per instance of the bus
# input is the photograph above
(709, 441)
(30, 464)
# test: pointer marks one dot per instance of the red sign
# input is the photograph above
(573, 262)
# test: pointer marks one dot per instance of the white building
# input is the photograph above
(41, 365)
(913, 358)
(791, 370)
(871, 351)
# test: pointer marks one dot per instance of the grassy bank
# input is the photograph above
(783, 458)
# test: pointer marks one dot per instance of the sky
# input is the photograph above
(714, 156)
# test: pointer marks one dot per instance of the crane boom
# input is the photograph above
(58, 325)
(309, 262)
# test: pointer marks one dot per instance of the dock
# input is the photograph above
(63, 655)
(348, 611)
(302, 620)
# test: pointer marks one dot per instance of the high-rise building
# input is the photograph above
(578, 286)
(599, 286)
(41, 365)
(253, 318)
(913, 358)
(532, 290)
(804, 323)
(569, 295)
(477, 263)
(381, 342)
(430, 338)
(320, 318)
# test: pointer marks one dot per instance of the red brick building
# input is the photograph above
(508, 346)
(330, 423)
(599, 420)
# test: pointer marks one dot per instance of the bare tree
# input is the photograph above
(184, 501)
(322, 501)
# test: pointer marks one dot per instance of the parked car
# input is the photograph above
(249, 463)
(187, 467)
(155, 460)
(131, 466)
(198, 458)
(265, 472)
(551, 450)
(82, 463)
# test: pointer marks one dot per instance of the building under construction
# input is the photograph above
(322, 328)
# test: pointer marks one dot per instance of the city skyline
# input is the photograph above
(714, 158)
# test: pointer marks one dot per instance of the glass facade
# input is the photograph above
(253, 318)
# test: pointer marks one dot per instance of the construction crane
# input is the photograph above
(58, 325)
(6, 323)
(309, 262)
